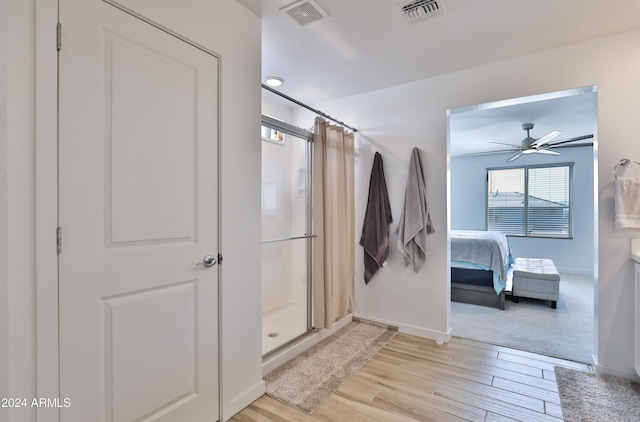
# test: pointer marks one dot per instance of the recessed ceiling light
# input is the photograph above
(274, 81)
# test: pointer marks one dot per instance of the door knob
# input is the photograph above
(208, 261)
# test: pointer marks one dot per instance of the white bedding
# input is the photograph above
(487, 250)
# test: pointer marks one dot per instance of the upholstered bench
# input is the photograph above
(536, 278)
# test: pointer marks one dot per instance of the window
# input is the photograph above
(532, 201)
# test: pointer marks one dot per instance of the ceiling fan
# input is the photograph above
(542, 145)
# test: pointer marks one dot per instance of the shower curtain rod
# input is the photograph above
(318, 112)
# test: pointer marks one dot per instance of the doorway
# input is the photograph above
(477, 138)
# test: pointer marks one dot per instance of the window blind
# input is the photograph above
(505, 201)
(530, 201)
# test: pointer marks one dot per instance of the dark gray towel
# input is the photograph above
(377, 217)
(415, 221)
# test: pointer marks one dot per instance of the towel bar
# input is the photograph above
(623, 162)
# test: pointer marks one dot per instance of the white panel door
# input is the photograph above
(138, 212)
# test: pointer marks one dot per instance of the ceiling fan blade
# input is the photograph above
(590, 144)
(514, 157)
(497, 151)
(509, 145)
(546, 151)
(546, 138)
(577, 138)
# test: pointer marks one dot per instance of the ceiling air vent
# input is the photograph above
(422, 9)
(305, 11)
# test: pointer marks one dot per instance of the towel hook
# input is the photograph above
(623, 162)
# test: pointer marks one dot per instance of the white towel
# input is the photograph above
(415, 221)
(627, 203)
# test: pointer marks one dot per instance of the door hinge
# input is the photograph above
(59, 36)
(59, 240)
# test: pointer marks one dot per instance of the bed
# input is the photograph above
(480, 267)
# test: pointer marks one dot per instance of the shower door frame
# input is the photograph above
(297, 132)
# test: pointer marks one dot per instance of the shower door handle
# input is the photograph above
(208, 261)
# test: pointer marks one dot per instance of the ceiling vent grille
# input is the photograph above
(422, 9)
(305, 11)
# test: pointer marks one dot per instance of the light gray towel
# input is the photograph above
(415, 222)
(627, 203)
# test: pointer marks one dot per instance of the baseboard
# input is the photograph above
(629, 375)
(242, 401)
(437, 336)
(286, 355)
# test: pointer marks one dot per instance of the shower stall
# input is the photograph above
(286, 234)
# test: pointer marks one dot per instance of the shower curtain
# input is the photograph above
(334, 223)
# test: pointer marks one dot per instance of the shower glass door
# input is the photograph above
(286, 264)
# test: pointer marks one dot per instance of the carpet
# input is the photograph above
(566, 332)
(307, 380)
(588, 397)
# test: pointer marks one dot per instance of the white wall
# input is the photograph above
(231, 31)
(395, 119)
(468, 191)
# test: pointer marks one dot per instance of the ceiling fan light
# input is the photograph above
(528, 151)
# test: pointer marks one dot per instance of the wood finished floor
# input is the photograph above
(413, 379)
